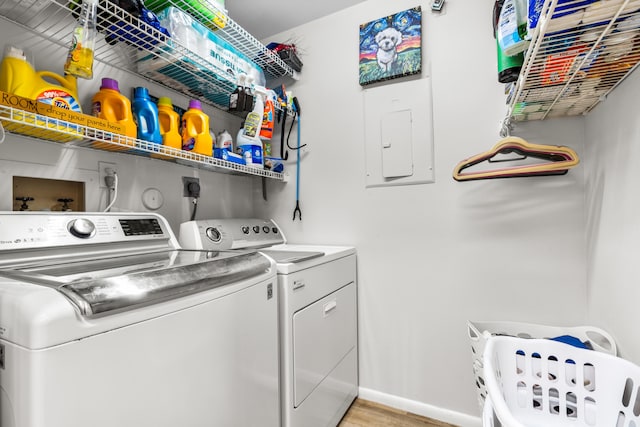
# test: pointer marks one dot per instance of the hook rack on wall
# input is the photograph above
(557, 160)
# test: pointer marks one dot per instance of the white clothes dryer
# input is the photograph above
(318, 315)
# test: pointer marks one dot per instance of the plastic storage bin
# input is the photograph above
(480, 331)
(544, 383)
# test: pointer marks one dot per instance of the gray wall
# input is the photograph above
(613, 215)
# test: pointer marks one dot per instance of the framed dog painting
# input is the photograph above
(391, 47)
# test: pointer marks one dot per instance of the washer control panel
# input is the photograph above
(223, 234)
(35, 230)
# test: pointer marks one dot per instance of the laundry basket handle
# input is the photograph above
(600, 340)
(498, 407)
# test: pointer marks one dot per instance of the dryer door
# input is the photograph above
(323, 333)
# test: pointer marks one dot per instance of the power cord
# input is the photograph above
(112, 184)
(195, 208)
(296, 115)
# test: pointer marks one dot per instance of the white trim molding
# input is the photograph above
(419, 408)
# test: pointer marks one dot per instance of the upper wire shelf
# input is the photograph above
(580, 51)
(133, 45)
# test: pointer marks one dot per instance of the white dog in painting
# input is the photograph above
(387, 41)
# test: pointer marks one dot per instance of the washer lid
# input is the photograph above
(108, 285)
(329, 254)
(291, 256)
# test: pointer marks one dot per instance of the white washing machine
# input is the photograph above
(105, 321)
(318, 316)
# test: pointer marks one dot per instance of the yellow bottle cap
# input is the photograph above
(165, 101)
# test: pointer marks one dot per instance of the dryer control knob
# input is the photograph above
(213, 234)
(82, 228)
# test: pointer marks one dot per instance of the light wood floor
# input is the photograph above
(369, 414)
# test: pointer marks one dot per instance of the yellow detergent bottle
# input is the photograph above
(195, 130)
(18, 77)
(169, 124)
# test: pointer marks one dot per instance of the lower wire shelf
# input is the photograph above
(50, 129)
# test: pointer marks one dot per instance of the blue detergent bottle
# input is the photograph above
(145, 112)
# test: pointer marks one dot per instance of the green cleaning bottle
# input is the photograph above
(508, 66)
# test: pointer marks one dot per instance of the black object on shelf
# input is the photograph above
(288, 53)
(126, 28)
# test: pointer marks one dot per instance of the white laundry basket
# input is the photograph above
(480, 331)
(544, 383)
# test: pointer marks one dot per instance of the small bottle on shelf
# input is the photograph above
(80, 58)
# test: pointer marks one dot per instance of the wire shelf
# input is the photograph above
(133, 45)
(580, 51)
(76, 135)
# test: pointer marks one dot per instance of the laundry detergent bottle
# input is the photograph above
(18, 77)
(268, 115)
(145, 114)
(169, 121)
(111, 105)
(248, 143)
(195, 130)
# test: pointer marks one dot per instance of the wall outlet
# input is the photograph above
(105, 169)
(191, 186)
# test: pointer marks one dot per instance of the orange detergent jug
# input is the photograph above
(169, 124)
(111, 105)
(195, 130)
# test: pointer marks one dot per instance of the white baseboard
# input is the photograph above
(419, 408)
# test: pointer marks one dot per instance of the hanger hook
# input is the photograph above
(507, 127)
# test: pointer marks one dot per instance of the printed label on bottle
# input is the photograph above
(97, 108)
(60, 99)
(252, 124)
(508, 26)
(189, 144)
(76, 45)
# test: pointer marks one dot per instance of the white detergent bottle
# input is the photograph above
(248, 142)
